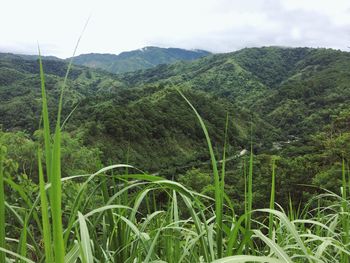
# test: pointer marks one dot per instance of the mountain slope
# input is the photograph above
(160, 130)
(219, 75)
(290, 103)
(271, 65)
(144, 58)
(20, 92)
(309, 98)
(286, 86)
(115, 116)
(283, 92)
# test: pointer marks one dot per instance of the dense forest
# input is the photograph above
(289, 102)
(269, 110)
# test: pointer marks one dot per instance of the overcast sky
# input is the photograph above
(214, 25)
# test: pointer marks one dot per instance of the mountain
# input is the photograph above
(285, 87)
(143, 58)
(116, 117)
(286, 102)
(276, 82)
(20, 88)
(11, 56)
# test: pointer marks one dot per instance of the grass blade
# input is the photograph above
(250, 189)
(224, 157)
(272, 197)
(217, 185)
(2, 204)
(6, 251)
(45, 214)
(278, 251)
(85, 240)
(241, 259)
(46, 122)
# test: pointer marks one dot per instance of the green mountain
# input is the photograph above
(20, 88)
(275, 82)
(301, 92)
(143, 58)
(116, 117)
(11, 56)
(290, 102)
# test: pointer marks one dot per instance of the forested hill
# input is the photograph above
(20, 92)
(291, 102)
(143, 58)
(295, 89)
(150, 122)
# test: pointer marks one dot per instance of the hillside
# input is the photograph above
(143, 58)
(20, 92)
(301, 92)
(156, 124)
(283, 100)
(116, 117)
(206, 131)
(279, 83)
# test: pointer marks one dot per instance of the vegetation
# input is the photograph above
(199, 198)
(147, 57)
(291, 106)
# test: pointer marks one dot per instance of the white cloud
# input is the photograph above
(215, 25)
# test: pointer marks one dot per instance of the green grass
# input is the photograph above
(2, 204)
(121, 214)
(53, 171)
(272, 197)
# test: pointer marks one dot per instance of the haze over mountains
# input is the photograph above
(143, 58)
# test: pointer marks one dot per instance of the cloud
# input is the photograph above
(263, 23)
(215, 25)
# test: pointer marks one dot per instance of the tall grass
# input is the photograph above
(345, 211)
(117, 215)
(217, 184)
(53, 171)
(272, 196)
(2, 204)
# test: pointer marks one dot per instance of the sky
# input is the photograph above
(214, 25)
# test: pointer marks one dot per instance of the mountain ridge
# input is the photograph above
(281, 87)
(143, 58)
(291, 103)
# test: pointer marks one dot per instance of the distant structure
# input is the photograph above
(243, 152)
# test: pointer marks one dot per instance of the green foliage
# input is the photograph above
(20, 91)
(272, 65)
(290, 97)
(159, 126)
(144, 58)
(62, 210)
(21, 157)
(196, 180)
(2, 204)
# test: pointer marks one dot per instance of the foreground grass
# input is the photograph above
(120, 214)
